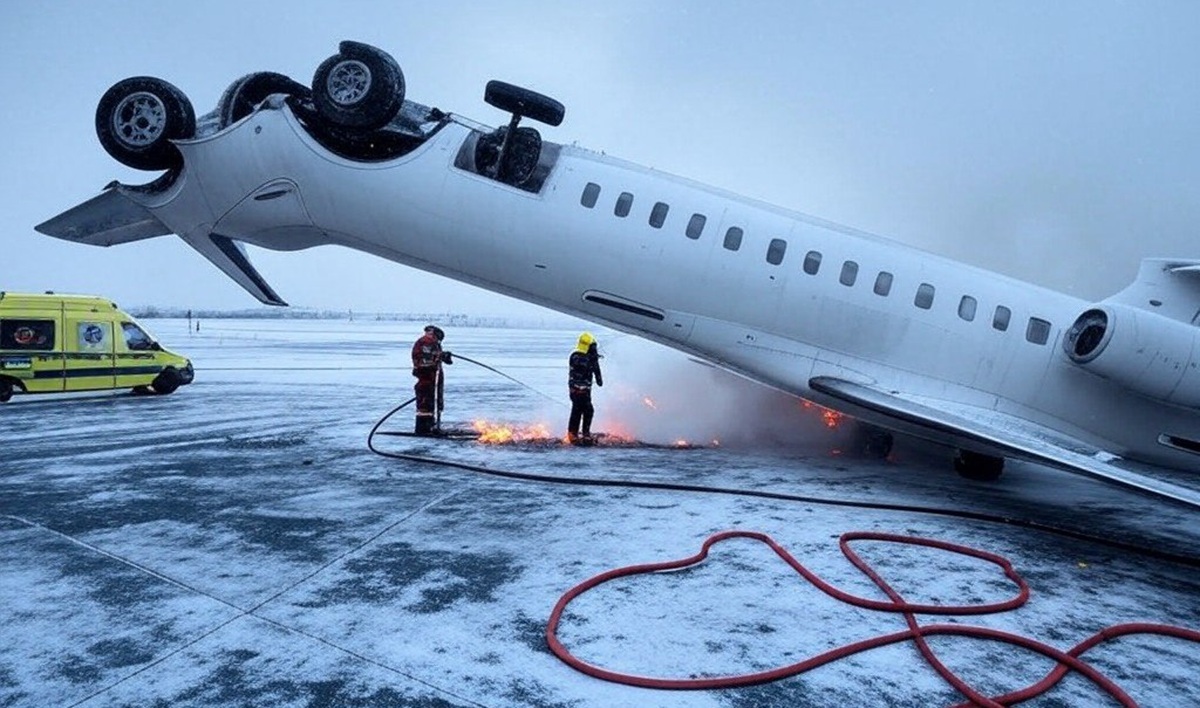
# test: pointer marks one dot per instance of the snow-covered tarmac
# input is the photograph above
(236, 543)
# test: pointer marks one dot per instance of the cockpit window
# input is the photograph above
(136, 339)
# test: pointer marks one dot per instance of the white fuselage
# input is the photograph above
(773, 322)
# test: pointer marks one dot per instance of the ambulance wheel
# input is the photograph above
(243, 95)
(137, 119)
(977, 466)
(166, 382)
(6, 390)
(360, 87)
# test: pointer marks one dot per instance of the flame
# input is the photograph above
(830, 418)
(501, 433)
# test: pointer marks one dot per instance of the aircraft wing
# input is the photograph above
(991, 431)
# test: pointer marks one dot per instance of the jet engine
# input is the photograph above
(1140, 350)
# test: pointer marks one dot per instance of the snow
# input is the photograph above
(235, 543)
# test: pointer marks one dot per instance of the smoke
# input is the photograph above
(658, 395)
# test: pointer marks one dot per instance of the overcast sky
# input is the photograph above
(1057, 142)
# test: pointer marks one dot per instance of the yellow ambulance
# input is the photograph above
(53, 343)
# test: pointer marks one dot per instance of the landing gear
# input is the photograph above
(137, 119)
(360, 87)
(870, 441)
(510, 154)
(977, 466)
(243, 95)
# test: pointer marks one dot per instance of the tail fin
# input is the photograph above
(230, 257)
(112, 218)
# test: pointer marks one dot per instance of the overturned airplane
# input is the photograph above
(896, 337)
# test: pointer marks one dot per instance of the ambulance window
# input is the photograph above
(1000, 319)
(658, 215)
(776, 250)
(733, 238)
(849, 273)
(135, 339)
(966, 308)
(590, 194)
(883, 283)
(924, 298)
(812, 262)
(1038, 331)
(27, 334)
(624, 204)
(696, 226)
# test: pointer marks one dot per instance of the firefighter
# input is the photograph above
(584, 365)
(427, 360)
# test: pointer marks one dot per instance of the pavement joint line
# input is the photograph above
(252, 612)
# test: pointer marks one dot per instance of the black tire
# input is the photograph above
(360, 87)
(520, 157)
(523, 102)
(137, 119)
(240, 99)
(978, 466)
(6, 390)
(166, 382)
(871, 442)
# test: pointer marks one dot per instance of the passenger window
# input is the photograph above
(1001, 318)
(776, 250)
(849, 273)
(658, 215)
(924, 298)
(1038, 331)
(733, 238)
(35, 335)
(966, 308)
(136, 339)
(812, 262)
(883, 283)
(624, 204)
(590, 194)
(696, 226)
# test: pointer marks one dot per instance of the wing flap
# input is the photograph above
(993, 433)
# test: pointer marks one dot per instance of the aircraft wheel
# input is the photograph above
(166, 382)
(872, 441)
(240, 99)
(137, 119)
(519, 160)
(977, 466)
(360, 87)
(6, 390)
(524, 102)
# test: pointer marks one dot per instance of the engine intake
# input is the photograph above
(1140, 350)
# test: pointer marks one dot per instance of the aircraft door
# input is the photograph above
(88, 354)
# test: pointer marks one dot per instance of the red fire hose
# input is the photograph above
(1065, 660)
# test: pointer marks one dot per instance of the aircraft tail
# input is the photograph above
(113, 218)
(107, 219)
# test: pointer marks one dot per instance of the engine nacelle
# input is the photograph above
(1140, 350)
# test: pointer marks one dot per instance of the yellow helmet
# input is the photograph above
(586, 340)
